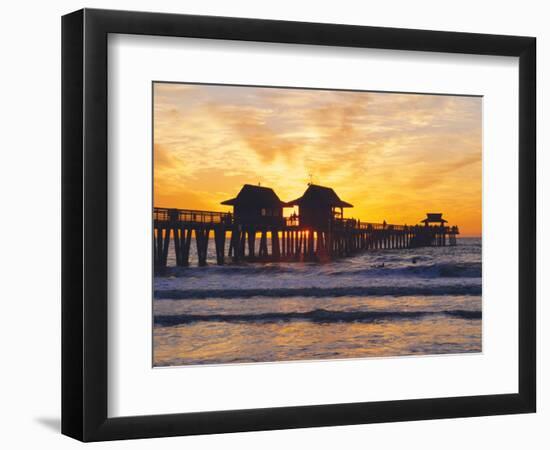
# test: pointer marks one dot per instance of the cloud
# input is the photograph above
(391, 155)
(251, 125)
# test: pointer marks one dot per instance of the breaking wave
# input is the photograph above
(316, 316)
(434, 270)
(398, 291)
(440, 270)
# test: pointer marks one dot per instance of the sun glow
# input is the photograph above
(393, 156)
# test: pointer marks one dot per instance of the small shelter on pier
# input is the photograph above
(434, 218)
(256, 205)
(319, 206)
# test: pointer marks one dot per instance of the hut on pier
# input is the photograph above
(319, 207)
(434, 218)
(256, 205)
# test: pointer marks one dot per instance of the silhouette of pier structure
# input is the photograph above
(256, 230)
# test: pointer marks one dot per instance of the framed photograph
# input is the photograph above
(272, 224)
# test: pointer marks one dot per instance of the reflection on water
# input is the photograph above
(212, 343)
(351, 308)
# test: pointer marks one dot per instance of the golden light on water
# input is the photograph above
(393, 156)
(264, 342)
(240, 340)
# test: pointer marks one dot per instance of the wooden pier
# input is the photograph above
(276, 238)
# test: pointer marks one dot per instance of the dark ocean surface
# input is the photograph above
(379, 303)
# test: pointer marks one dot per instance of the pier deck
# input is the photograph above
(289, 240)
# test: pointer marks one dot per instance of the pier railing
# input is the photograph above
(191, 216)
(371, 226)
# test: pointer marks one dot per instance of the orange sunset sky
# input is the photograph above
(393, 156)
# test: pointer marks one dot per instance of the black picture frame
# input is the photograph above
(84, 224)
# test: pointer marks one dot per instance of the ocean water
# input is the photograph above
(379, 303)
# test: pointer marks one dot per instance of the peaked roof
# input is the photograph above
(434, 217)
(320, 195)
(251, 195)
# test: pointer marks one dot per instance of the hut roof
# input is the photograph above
(255, 196)
(320, 195)
(434, 217)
